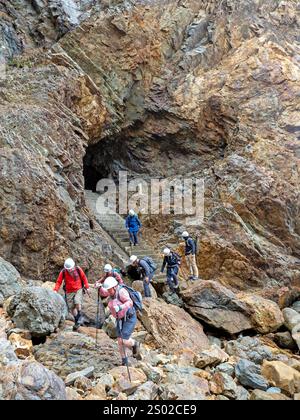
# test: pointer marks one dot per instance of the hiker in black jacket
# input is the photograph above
(190, 253)
(172, 261)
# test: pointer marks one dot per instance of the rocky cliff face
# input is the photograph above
(209, 88)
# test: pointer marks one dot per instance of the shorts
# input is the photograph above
(125, 327)
(74, 299)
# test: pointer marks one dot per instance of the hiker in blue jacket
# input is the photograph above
(190, 253)
(133, 226)
(172, 261)
(147, 270)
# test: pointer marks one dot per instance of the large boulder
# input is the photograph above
(249, 375)
(69, 352)
(282, 376)
(291, 318)
(37, 310)
(30, 381)
(249, 348)
(219, 307)
(10, 280)
(259, 395)
(172, 328)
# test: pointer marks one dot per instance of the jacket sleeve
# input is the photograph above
(84, 278)
(58, 282)
(193, 245)
(103, 293)
(119, 278)
(145, 266)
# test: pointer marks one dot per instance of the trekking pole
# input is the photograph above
(97, 318)
(124, 350)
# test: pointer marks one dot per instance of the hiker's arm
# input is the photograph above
(99, 282)
(103, 292)
(193, 244)
(84, 278)
(119, 278)
(58, 282)
(145, 266)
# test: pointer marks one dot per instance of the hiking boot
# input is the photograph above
(76, 327)
(124, 361)
(191, 278)
(195, 278)
(136, 351)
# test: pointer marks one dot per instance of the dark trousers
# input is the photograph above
(147, 289)
(134, 238)
(172, 278)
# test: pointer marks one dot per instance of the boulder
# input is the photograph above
(98, 392)
(146, 392)
(139, 286)
(88, 372)
(37, 310)
(30, 381)
(212, 303)
(225, 385)
(227, 368)
(109, 327)
(69, 352)
(296, 335)
(212, 357)
(249, 348)
(182, 392)
(172, 328)
(83, 384)
(249, 375)
(10, 281)
(242, 394)
(154, 374)
(22, 347)
(285, 340)
(296, 306)
(282, 376)
(72, 394)
(107, 380)
(291, 318)
(265, 315)
(122, 383)
(190, 377)
(258, 395)
(7, 354)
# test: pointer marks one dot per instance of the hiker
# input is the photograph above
(75, 285)
(133, 226)
(172, 261)
(190, 252)
(122, 308)
(147, 268)
(108, 272)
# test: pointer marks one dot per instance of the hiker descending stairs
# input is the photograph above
(115, 226)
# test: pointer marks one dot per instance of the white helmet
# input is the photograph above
(108, 268)
(109, 283)
(132, 212)
(167, 252)
(69, 264)
(133, 259)
(185, 234)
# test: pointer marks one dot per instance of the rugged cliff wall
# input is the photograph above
(158, 88)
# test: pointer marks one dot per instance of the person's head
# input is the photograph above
(69, 264)
(185, 235)
(131, 213)
(133, 260)
(108, 268)
(167, 252)
(110, 285)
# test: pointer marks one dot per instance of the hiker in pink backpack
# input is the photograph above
(123, 309)
(75, 285)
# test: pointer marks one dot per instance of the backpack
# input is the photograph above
(135, 296)
(151, 263)
(79, 275)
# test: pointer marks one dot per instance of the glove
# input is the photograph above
(117, 308)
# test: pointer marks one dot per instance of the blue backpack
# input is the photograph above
(135, 296)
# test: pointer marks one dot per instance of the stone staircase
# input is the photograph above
(114, 225)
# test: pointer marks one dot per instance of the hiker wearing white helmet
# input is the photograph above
(190, 253)
(133, 226)
(108, 272)
(75, 285)
(147, 268)
(122, 308)
(172, 261)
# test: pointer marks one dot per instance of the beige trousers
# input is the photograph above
(193, 265)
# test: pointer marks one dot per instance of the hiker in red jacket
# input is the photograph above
(75, 284)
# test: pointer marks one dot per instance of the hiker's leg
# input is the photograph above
(136, 239)
(194, 265)
(131, 238)
(122, 348)
(147, 290)
(189, 259)
(170, 280)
